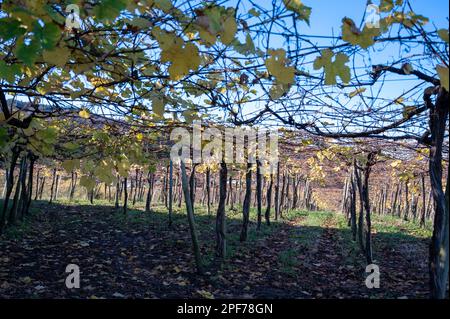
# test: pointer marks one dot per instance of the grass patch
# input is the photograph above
(312, 223)
(349, 247)
(21, 227)
(388, 232)
(288, 260)
(399, 229)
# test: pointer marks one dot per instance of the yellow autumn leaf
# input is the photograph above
(276, 65)
(229, 30)
(298, 7)
(175, 51)
(189, 115)
(87, 182)
(356, 92)
(443, 34)
(205, 294)
(386, 5)
(70, 165)
(353, 35)
(158, 106)
(332, 68)
(399, 100)
(278, 90)
(443, 76)
(84, 114)
(407, 110)
(177, 269)
(206, 36)
(407, 68)
(123, 167)
(254, 12)
(103, 172)
(396, 163)
(25, 280)
(216, 21)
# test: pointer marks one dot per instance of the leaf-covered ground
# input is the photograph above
(306, 255)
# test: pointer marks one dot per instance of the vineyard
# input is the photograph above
(224, 149)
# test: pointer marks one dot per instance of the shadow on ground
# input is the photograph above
(307, 255)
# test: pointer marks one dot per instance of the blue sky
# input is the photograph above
(327, 14)
(326, 20)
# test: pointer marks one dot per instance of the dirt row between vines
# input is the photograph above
(140, 257)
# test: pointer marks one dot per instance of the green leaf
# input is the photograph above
(152, 168)
(10, 28)
(205, 294)
(55, 15)
(27, 53)
(48, 35)
(141, 23)
(58, 56)
(48, 135)
(8, 72)
(214, 14)
(109, 9)
(123, 167)
(71, 146)
(3, 136)
(164, 5)
(340, 68)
